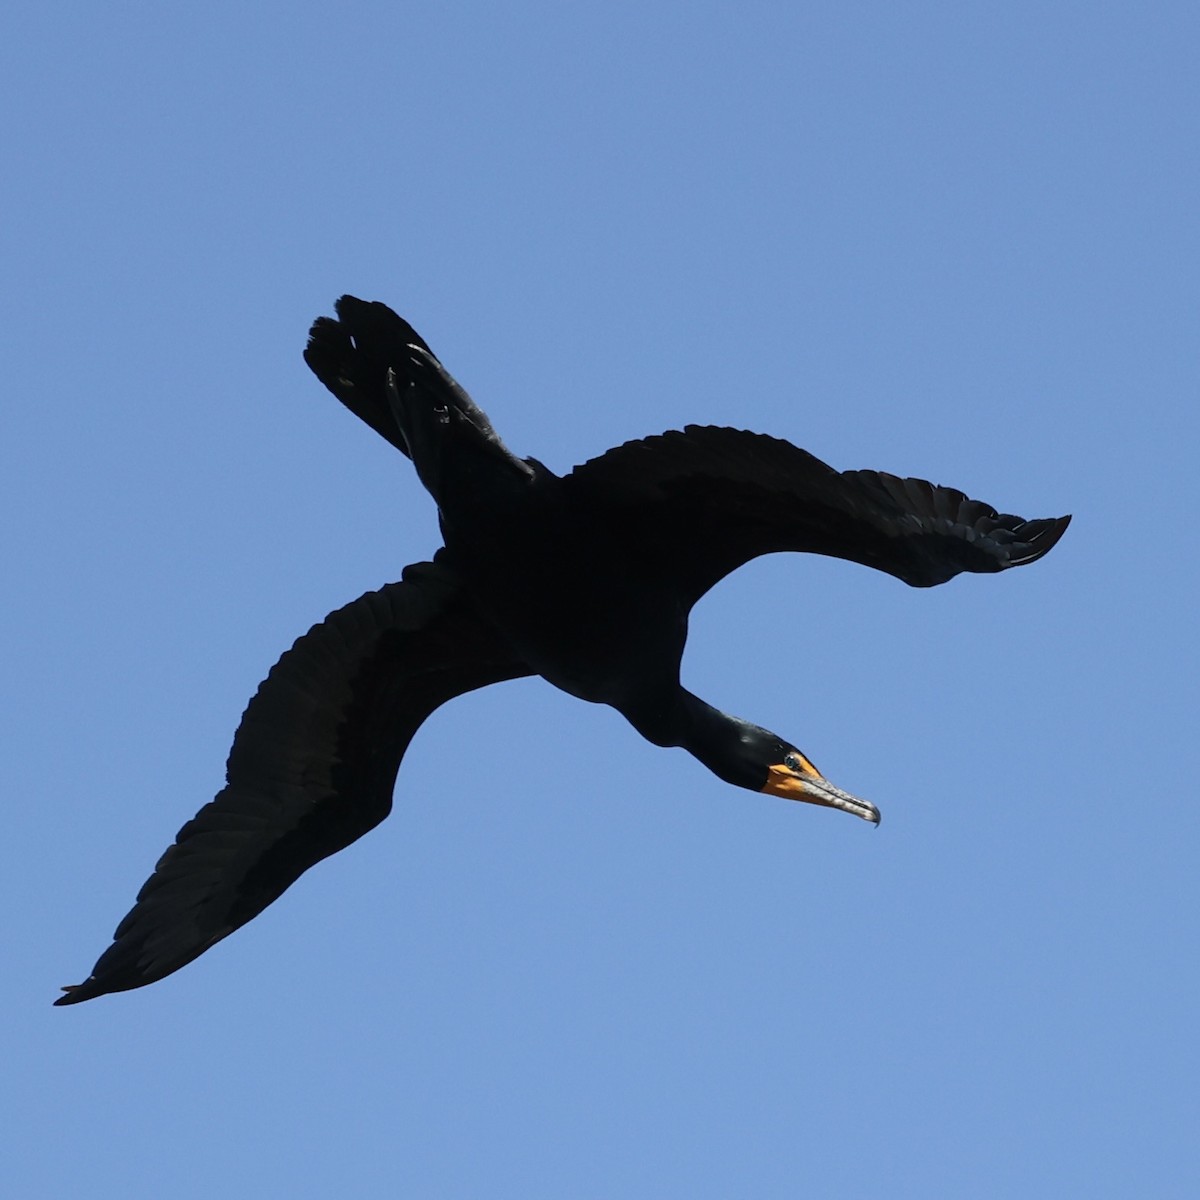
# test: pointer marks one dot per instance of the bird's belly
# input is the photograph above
(606, 649)
(581, 608)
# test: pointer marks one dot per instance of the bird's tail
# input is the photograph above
(382, 370)
(353, 353)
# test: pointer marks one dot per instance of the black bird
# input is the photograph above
(586, 580)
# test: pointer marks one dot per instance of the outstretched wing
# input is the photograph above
(703, 501)
(311, 770)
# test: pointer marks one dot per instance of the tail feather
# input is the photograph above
(352, 355)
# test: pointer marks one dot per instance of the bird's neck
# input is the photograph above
(713, 737)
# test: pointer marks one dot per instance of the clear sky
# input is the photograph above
(957, 241)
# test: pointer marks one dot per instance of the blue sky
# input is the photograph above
(953, 241)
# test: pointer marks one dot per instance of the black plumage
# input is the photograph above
(585, 579)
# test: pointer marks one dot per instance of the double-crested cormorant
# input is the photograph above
(586, 580)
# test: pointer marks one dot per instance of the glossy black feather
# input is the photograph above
(351, 356)
(586, 580)
(706, 499)
(311, 770)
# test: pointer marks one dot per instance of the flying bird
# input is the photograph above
(585, 579)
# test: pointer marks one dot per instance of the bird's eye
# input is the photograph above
(792, 762)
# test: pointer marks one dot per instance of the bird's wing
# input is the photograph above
(312, 768)
(705, 500)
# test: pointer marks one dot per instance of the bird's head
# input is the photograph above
(792, 776)
(752, 757)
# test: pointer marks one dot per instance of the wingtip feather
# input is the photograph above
(1041, 541)
(75, 993)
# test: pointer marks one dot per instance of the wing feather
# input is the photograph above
(705, 500)
(311, 769)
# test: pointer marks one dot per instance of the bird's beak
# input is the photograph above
(807, 784)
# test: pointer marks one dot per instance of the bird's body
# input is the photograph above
(585, 627)
(586, 580)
